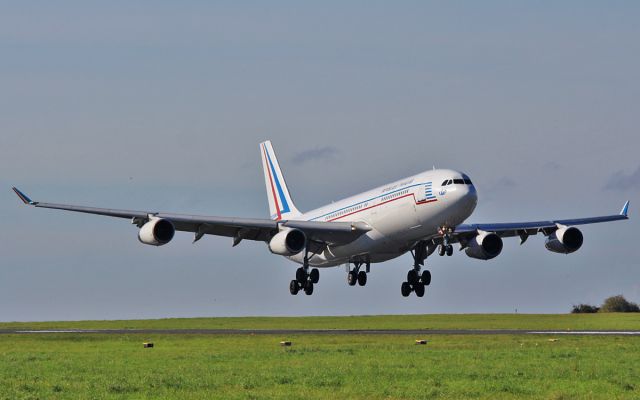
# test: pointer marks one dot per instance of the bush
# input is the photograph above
(584, 309)
(618, 304)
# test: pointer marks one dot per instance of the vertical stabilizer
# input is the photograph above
(280, 204)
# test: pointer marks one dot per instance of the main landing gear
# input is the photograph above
(304, 281)
(416, 281)
(356, 276)
(305, 278)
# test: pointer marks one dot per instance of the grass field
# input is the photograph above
(78, 366)
(603, 321)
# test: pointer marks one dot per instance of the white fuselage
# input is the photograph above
(400, 214)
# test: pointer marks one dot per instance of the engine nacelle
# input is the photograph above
(288, 242)
(565, 240)
(156, 232)
(485, 246)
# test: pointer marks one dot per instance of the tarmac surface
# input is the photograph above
(316, 332)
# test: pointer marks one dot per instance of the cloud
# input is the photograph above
(504, 183)
(318, 153)
(552, 165)
(623, 181)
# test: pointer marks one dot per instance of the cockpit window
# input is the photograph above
(465, 181)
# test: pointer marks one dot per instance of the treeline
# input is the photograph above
(612, 304)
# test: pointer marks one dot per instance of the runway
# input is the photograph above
(281, 332)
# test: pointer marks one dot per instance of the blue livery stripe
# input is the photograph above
(283, 200)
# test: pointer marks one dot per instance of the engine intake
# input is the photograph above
(288, 242)
(156, 232)
(565, 240)
(484, 246)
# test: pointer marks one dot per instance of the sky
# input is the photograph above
(159, 105)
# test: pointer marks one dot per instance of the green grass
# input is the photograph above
(317, 367)
(619, 321)
(98, 366)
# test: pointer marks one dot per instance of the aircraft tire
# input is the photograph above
(308, 289)
(301, 275)
(426, 277)
(412, 276)
(449, 250)
(419, 289)
(314, 275)
(442, 250)
(352, 278)
(294, 287)
(405, 289)
(362, 278)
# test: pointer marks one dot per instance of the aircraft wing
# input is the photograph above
(524, 229)
(334, 233)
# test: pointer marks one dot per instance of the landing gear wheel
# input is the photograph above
(301, 275)
(362, 278)
(352, 278)
(294, 287)
(426, 277)
(442, 250)
(308, 289)
(419, 289)
(449, 250)
(405, 289)
(314, 275)
(412, 277)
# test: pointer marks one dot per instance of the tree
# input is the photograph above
(618, 304)
(584, 309)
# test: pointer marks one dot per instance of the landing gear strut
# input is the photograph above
(356, 276)
(416, 281)
(445, 247)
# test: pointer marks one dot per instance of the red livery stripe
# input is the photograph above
(385, 202)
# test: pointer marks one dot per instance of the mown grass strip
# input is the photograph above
(602, 321)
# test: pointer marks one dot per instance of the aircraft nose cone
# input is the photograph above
(469, 198)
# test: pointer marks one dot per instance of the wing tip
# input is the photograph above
(25, 199)
(625, 209)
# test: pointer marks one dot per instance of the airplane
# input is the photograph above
(420, 214)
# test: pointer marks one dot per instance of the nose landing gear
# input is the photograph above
(445, 247)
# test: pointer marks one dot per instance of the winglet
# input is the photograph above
(23, 197)
(625, 209)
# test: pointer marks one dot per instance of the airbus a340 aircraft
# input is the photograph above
(419, 214)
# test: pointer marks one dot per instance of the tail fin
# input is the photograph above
(280, 204)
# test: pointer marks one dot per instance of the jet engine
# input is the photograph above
(484, 246)
(288, 242)
(566, 239)
(156, 232)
